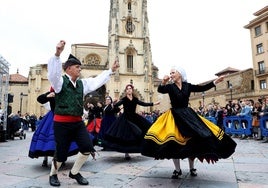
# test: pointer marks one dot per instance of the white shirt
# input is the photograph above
(89, 84)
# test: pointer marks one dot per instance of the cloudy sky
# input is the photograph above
(204, 37)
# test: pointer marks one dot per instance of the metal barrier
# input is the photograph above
(212, 119)
(240, 125)
(264, 126)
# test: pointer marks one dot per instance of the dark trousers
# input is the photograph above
(65, 133)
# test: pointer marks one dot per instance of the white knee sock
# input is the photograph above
(54, 169)
(177, 164)
(81, 159)
(191, 163)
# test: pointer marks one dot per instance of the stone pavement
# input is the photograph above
(246, 168)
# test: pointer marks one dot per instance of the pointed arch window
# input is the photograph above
(129, 63)
(129, 7)
(154, 74)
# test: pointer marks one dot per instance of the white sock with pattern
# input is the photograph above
(81, 159)
(54, 169)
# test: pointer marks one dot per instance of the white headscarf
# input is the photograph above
(181, 71)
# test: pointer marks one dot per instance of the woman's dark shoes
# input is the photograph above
(193, 172)
(127, 158)
(63, 163)
(45, 163)
(93, 154)
(176, 174)
(54, 181)
(79, 178)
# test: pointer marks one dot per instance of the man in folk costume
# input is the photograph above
(68, 124)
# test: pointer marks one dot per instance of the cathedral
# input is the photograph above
(128, 41)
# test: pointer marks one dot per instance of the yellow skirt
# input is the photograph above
(164, 130)
(213, 128)
(164, 140)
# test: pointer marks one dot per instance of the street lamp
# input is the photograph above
(151, 100)
(21, 97)
(231, 90)
(203, 97)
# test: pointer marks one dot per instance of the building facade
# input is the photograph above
(258, 28)
(250, 83)
(18, 88)
(237, 85)
(129, 41)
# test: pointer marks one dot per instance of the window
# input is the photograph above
(154, 74)
(259, 48)
(252, 85)
(257, 31)
(263, 84)
(130, 26)
(129, 7)
(229, 85)
(129, 63)
(261, 67)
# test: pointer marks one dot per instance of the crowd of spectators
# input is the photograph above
(213, 111)
(242, 108)
(17, 122)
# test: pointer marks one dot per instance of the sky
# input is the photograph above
(204, 37)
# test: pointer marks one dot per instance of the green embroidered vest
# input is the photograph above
(69, 101)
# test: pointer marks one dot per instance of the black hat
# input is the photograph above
(71, 61)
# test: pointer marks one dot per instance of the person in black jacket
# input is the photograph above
(127, 131)
(109, 116)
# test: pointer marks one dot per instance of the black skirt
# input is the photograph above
(181, 133)
(126, 133)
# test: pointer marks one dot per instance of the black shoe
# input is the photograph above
(54, 181)
(193, 172)
(265, 141)
(79, 178)
(63, 164)
(176, 174)
(127, 158)
(44, 164)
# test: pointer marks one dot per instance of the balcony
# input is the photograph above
(261, 72)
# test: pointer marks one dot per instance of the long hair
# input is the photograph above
(133, 90)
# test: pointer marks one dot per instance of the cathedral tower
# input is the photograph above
(129, 42)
